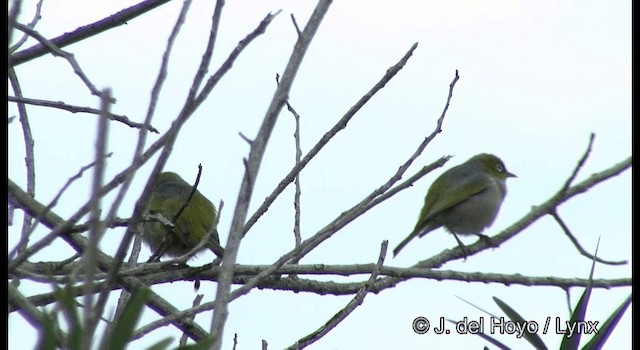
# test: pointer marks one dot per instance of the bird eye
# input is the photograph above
(500, 168)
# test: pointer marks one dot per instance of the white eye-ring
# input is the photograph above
(500, 168)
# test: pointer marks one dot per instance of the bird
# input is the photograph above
(465, 200)
(196, 218)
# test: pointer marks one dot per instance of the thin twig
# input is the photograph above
(93, 313)
(347, 310)
(54, 202)
(341, 124)
(138, 162)
(12, 16)
(194, 188)
(196, 302)
(87, 31)
(519, 226)
(253, 165)
(245, 138)
(277, 281)
(296, 197)
(32, 24)
(78, 109)
(66, 55)
(366, 204)
(575, 242)
(79, 243)
(295, 24)
(580, 164)
(325, 232)
(29, 159)
(137, 157)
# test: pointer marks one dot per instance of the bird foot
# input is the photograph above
(487, 240)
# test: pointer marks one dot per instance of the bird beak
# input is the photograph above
(510, 174)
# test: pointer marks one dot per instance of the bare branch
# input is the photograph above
(341, 124)
(79, 243)
(163, 141)
(93, 314)
(87, 31)
(194, 188)
(517, 227)
(347, 310)
(296, 196)
(245, 138)
(58, 52)
(295, 24)
(580, 164)
(78, 109)
(153, 275)
(255, 158)
(29, 159)
(32, 24)
(196, 302)
(575, 242)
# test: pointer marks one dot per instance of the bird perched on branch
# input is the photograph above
(464, 199)
(192, 215)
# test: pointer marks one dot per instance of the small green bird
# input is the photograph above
(169, 195)
(464, 199)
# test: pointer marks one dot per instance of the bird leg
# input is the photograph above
(462, 246)
(155, 257)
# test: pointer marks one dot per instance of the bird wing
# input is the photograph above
(470, 186)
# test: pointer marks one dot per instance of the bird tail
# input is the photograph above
(406, 241)
(418, 231)
(214, 244)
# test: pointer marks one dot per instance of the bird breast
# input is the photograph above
(477, 212)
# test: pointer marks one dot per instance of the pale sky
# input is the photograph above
(536, 78)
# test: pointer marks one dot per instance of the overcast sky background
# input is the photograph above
(536, 78)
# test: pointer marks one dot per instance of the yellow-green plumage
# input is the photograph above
(169, 195)
(464, 199)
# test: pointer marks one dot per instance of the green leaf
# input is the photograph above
(514, 316)
(598, 340)
(48, 336)
(123, 327)
(572, 342)
(162, 344)
(68, 306)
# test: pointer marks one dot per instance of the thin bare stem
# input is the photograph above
(32, 24)
(340, 125)
(196, 302)
(92, 314)
(194, 188)
(29, 159)
(258, 148)
(78, 109)
(105, 263)
(575, 242)
(14, 11)
(296, 197)
(58, 52)
(347, 310)
(87, 31)
(580, 164)
(162, 142)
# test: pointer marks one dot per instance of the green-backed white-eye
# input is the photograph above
(464, 199)
(170, 194)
